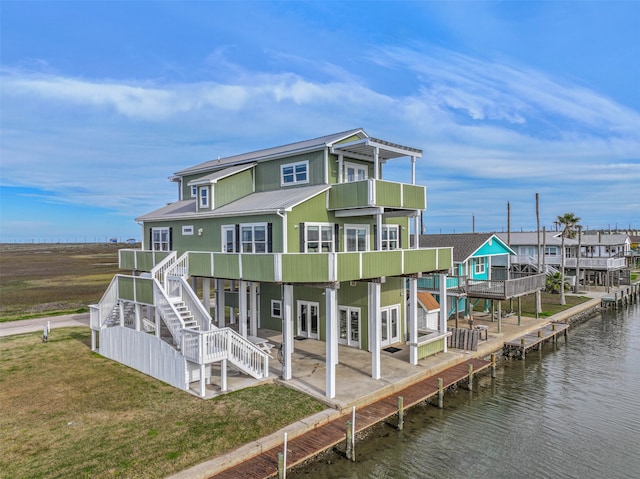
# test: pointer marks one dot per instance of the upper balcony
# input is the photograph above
(301, 267)
(377, 193)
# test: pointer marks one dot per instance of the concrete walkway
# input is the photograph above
(10, 328)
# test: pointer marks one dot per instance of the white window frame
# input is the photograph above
(387, 243)
(194, 191)
(349, 227)
(479, 265)
(321, 243)
(203, 197)
(163, 240)
(294, 180)
(357, 169)
(187, 230)
(349, 341)
(252, 243)
(276, 308)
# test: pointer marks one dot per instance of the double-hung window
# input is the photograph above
(319, 238)
(203, 193)
(356, 237)
(294, 173)
(479, 265)
(390, 237)
(253, 238)
(161, 239)
(194, 191)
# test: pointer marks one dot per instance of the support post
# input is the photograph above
(522, 347)
(519, 311)
(206, 295)
(470, 377)
(287, 330)
(349, 442)
(444, 309)
(400, 413)
(440, 394)
(220, 306)
(499, 317)
(253, 306)
(242, 308)
(223, 375)
(331, 325)
(413, 321)
(375, 325)
(493, 365)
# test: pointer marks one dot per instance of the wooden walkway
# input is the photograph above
(518, 347)
(320, 439)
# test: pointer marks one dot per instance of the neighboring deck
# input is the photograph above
(535, 339)
(325, 437)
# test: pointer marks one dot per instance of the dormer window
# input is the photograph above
(203, 194)
(294, 173)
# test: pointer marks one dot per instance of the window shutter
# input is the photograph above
(269, 237)
(375, 237)
(302, 240)
(237, 238)
(399, 237)
(170, 239)
(150, 245)
(336, 227)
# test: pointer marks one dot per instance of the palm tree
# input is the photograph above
(569, 223)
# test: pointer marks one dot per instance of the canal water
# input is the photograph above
(570, 411)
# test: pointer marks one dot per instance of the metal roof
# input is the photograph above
(464, 244)
(363, 148)
(222, 173)
(255, 203)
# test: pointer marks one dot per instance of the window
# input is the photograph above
(550, 250)
(479, 265)
(356, 237)
(319, 238)
(161, 239)
(204, 196)
(228, 238)
(194, 191)
(276, 308)
(253, 238)
(355, 172)
(187, 230)
(294, 173)
(390, 237)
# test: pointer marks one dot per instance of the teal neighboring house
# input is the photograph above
(480, 257)
(307, 239)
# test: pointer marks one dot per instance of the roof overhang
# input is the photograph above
(366, 148)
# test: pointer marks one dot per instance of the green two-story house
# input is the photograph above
(305, 238)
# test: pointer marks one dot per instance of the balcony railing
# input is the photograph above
(587, 263)
(310, 268)
(377, 193)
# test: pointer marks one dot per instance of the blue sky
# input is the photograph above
(102, 101)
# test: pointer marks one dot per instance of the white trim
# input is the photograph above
(331, 226)
(348, 341)
(253, 240)
(223, 242)
(275, 302)
(187, 230)
(356, 226)
(356, 167)
(203, 199)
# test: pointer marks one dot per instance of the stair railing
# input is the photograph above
(179, 267)
(195, 306)
(159, 271)
(168, 312)
(99, 313)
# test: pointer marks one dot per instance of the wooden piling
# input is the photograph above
(440, 394)
(400, 413)
(493, 365)
(470, 378)
(281, 466)
(522, 347)
(349, 441)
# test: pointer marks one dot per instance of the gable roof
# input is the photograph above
(427, 301)
(464, 244)
(530, 238)
(264, 202)
(220, 174)
(268, 153)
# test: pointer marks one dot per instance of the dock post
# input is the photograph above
(519, 311)
(281, 466)
(470, 379)
(440, 394)
(555, 335)
(522, 348)
(349, 442)
(499, 317)
(493, 365)
(400, 413)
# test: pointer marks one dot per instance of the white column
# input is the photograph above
(374, 325)
(156, 315)
(220, 307)
(379, 228)
(413, 170)
(203, 386)
(376, 164)
(416, 231)
(232, 310)
(331, 325)
(444, 310)
(223, 375)
(242, 308)
(121, 313)
(287, 330)
(340, 168)
(253, 306)
(413, 321)
(138, 316)
(206, 294)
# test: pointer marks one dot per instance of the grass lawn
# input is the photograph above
(68, 412)
(550, 304)
(47, 279)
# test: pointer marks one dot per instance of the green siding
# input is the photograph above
(258, 267)
(311, 211)
(349, 195)
(268, 172)
(305, 268)
(431, 348)
(414, 197)
(388, 194)
(135, 289)
(269, 291)
(233, 187)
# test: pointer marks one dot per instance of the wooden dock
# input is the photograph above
(534, 340)
(622, 297)
(322, 438)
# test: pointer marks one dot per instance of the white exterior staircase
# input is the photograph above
(196, 342)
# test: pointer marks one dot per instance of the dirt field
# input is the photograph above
(46, 279)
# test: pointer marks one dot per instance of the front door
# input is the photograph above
(390, 325)
(349, 327)
(308, 319)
